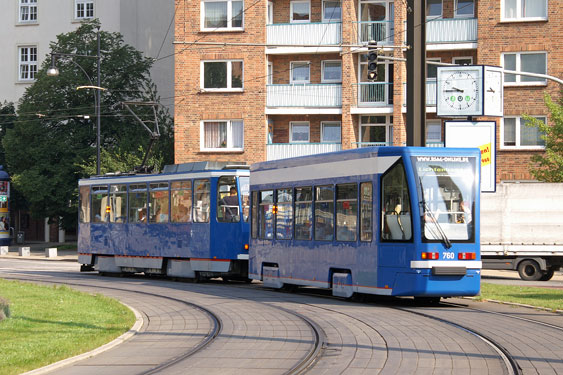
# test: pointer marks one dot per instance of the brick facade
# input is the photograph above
(263, 123)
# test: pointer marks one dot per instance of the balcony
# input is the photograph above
(450, 34)
(314, 37)
(430, 93)
(312, 98)
(380, 31)
(277, 151)
(374, 94)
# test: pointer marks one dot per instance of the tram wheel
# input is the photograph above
(529, 270)
(427, 301)
(547, 275)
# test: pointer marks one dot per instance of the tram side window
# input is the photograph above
(366, 191)
(99, 203)
(118, 203)
(202, 191)
(396, 221)
(254, 216)
(284, 214)
(324, 213)
(244, 184)
(181, 201)
(303, 213)
(158, 202)
(227, 200)
(83, 195)
(266, 215)
(137, 203)
(346, 212)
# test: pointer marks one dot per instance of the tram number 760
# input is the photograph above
(448, 255)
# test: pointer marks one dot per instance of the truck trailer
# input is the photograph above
(522, 229)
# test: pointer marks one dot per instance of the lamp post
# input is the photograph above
(53, 71)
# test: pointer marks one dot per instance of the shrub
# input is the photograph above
(4, 309)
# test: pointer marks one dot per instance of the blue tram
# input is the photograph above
(190, 221)
(398, 221)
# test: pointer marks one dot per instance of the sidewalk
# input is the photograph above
(37, 251)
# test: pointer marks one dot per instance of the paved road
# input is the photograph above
(267, 332)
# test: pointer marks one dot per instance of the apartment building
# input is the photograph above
(261, 80)
(28, 26)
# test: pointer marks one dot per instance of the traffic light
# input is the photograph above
(372, 60)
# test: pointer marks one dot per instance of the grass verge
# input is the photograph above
(50, 323)
(539, 297)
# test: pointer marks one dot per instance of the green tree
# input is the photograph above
(53, 142)
(7, 118)
(548, 167)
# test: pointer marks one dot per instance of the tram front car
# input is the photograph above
(444, 258)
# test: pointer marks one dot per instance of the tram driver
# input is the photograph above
(229, 205)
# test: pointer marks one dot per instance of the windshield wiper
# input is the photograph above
(444, 237)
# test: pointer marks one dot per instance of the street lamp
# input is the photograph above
(54, 71)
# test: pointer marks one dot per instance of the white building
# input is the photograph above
(28, 26)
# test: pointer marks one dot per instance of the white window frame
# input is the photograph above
(437, 123)
(463, 15)
(291, 80)
(331, 19)
(229, 16)
(229, 147)
(29, 5)
(270, 73)
(437, 16)
(519, 121)
(456, 59)
(388, 129)
(229, 87)
(325, 80)
(85, 4)
(519, 17)
(28, 63)
(301, 123)
(291, 20)
(539, 82)
(270, 14)
(323, 123)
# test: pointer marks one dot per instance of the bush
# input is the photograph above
(4, 309)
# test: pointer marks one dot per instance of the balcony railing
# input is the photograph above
(449, 30)
(316, 34)
(380, 31)
(277, 151)
(430, 92)
(373, 94)
(304, 95)
(380, 144)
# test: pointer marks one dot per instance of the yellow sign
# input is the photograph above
(485, 154)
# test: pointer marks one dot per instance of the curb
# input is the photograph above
(516, 304)
(119, 340)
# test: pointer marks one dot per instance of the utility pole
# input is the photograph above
(416, 72)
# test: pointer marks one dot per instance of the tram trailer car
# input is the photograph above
(397, 221)
(190, 221)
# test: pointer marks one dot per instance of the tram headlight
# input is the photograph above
(246, 246)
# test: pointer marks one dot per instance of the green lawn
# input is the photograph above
(50, 323)
(540, 297)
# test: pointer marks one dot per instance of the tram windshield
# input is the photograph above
(447, 195)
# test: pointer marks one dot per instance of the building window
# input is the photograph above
(83, 9)
(433, 8)
(432, 69)
(299, 132)
(515, 133)
(524, 10)
(300, 72)
(464, 8)
(332, 11)
(332, 71)
(530, 62)
(376, 131)
(463, 60)
(27, 63)
(218, 15)
(28, 11)
(224, 135)
(300, 11)
(222, 75)
(433, 132)
(330, 132)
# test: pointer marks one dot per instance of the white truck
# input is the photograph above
(522, 229)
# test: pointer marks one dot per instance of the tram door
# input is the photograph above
(396, 219)
(229, 216)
